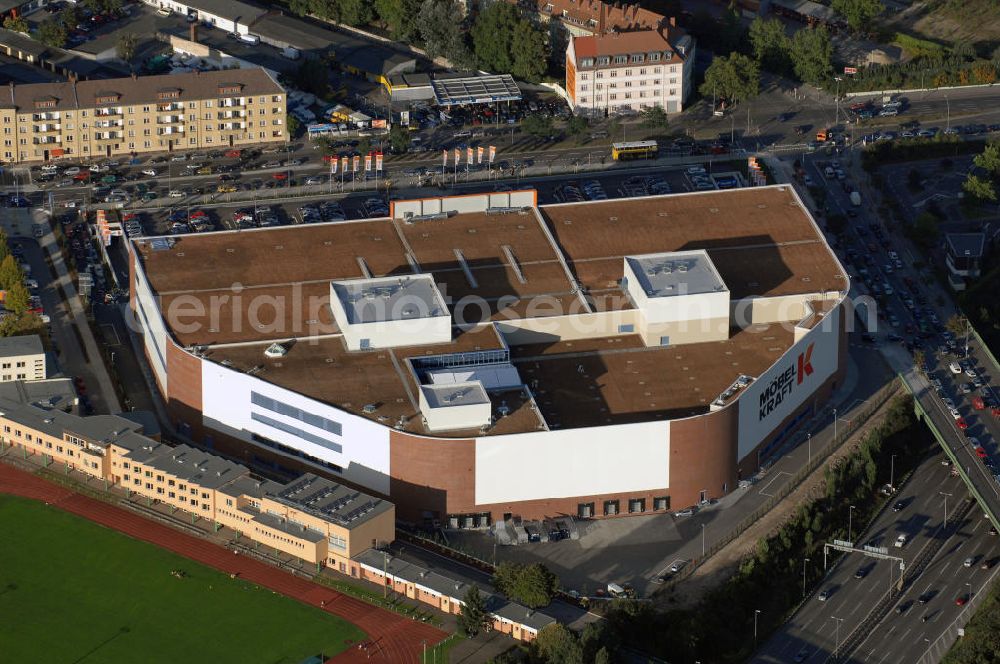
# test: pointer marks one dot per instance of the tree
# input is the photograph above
(399, 17)
(919, 358)
(17, 298)
(979, 188)
(292, 124)
(52, 33)
(654, 117)
(957, 325)
(812, 55)
(531, 585)
(505, 42)
(537, 125)
(126, 46)
(4, 245)
(10, 273)
(17, 24)
(312, 76)
(735, 78)
(441, 33)
(577, 126)
(925, 229)
(356, 12)
(769, 44)
(859, 13)
(555, 644)
(989, 159)
(70, 17)
(473, 617)
(399, 138)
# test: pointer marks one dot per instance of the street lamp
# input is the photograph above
(850, 515)
(703, 541)
(946, 496)
(947, 105)
(838, 620)
(892, 470)
(838, 79)
(834, 425)
(804, 561)
(809, 442)
(756, 612)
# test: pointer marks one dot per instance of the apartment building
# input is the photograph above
(22, 358)
(314, 519)
(614, 72)
(140, 114)
(580, 18)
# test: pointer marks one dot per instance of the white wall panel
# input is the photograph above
(573, 462)
(365, 444)
(154, 336)
(785, 386)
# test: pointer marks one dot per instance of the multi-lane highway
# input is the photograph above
(857, 584)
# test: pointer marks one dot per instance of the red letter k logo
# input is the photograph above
(805, 365)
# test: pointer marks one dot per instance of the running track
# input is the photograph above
(394, 638)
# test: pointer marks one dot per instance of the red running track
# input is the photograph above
(392, 638)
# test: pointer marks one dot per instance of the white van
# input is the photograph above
(253, 40)
(50, 168)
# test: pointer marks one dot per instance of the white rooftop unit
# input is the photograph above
(454, 406)
(388, 312)
(680, 295)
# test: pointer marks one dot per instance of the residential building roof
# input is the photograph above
(185, 462)
(138, 89)
(628, 43)
(29, 344)
(586, 14)
(330, 501)
(966, 245)
(58, 393)
(243, 12)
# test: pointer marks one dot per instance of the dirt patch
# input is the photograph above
(724, 564)
(948, 21)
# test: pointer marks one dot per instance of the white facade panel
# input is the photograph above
(154, 335)
(573, 462)
(364, 445)
(788, 383)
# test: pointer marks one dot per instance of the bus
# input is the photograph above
(634, 150)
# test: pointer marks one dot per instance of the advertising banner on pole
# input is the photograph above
(458, 156)
(493, 153)
(357, 162)
(378, 161)
(479, 154)
(444, 157)
(468, 155)
(343, 164)
(368, 162)
(333, 164)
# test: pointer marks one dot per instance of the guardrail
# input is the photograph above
(982, 344)
(925, 417)
(856, 422)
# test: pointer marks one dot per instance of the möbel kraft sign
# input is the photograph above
(781, 386)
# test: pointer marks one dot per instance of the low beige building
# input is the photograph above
(22, 358)
(141, 114)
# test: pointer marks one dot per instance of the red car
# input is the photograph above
(960, 601)
(961, 423)
(233, 154)
(980, 452)
(281, 176)
(80, 177)
(197, 214)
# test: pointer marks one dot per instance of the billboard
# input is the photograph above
(614, 459)
(784, 387)
(248, 408)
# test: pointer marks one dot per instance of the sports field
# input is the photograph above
(73, 591)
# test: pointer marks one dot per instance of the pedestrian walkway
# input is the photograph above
(392, 638)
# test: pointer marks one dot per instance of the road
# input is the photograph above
(818, 626)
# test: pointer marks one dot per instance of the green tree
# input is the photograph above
(4, 245)
(17, 298)
(537, 125)
(356, 12)
(52, 33)
(919, 357)
(17, 24)
(979, 188)
(812, 55)
(989, 159)
(505, 42)
(957, 325)
(70, 16)
(577, 126)
(555, 644)
(654, 117)
(532, 585)
(399, 138)
(126, 45)
(292, 124)
(859, 13)
(312, 76)
(473, 617)
(769, 44)
(10, 273)
(736, 78)
(441, 34)
(925, 229)
(399, 17)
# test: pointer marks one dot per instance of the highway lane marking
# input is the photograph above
(773, 479)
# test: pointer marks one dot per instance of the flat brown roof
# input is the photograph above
(760, 239)
(615, 380)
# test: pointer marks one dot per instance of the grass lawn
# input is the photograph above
(74, 591)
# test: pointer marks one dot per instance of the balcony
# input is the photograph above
(232, 102)
(169, 119)
(48, 140)
(233, 126)
(172, 106)
(105, 124)
(47, 128)
(167, 131)
(107, 112)
(229, 115)
(41, 117)
(108, 136)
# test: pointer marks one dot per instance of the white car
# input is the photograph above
(954, 413)
(71, 171)
(151, 172)
(955, 368)
(901, 541)
(69, 204)
(696, 170)
(176, 193)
